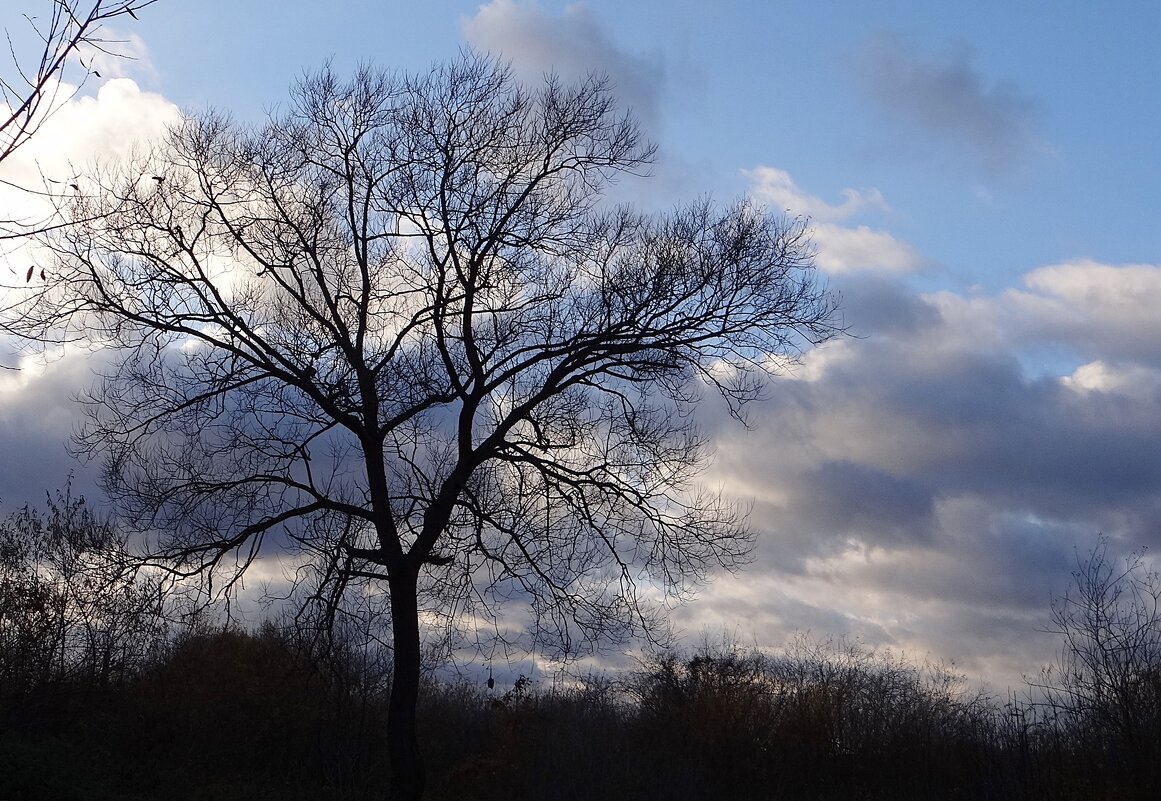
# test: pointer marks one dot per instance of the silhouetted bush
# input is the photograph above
(819, 721)
(73, 611)
(223, 714)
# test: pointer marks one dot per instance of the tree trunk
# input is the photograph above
(407, 776)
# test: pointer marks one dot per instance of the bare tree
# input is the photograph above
(398, 336)
(30, 89)
(72, 608)
(1105, 691)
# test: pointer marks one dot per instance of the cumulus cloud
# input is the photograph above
(841, 248)
(946, 98)
(915, 486)
(37, 411)
(572, 44)
(918, 487)
(112, 123)
(1101, 309)
(844, 250)
(1133, 380)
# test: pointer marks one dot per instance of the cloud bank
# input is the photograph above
(920, 487)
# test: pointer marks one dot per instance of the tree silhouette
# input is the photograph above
(1105, 690)
(399, 336)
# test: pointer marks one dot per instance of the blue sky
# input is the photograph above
(983, 181)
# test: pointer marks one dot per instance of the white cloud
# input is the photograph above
(110, 124)
(1134, 380)
(1094, 311)
(1102, 311)
(841, 248)
(775, 188)
(80, 130)
(844, 250)
(37, 411)
(1110, 294)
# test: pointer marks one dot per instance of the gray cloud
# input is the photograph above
(38, 414)
(962, 422)
(573, 45)
(947, 99)
(846, 498)
(884, 307)
(923, 487)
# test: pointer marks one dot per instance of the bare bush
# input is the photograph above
(73, 609)
(1103, 696)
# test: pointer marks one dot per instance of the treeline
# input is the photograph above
(101, 697)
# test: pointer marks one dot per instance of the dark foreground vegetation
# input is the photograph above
(231, 715)
(101, 697)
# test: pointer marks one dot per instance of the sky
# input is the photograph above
(982, 184)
